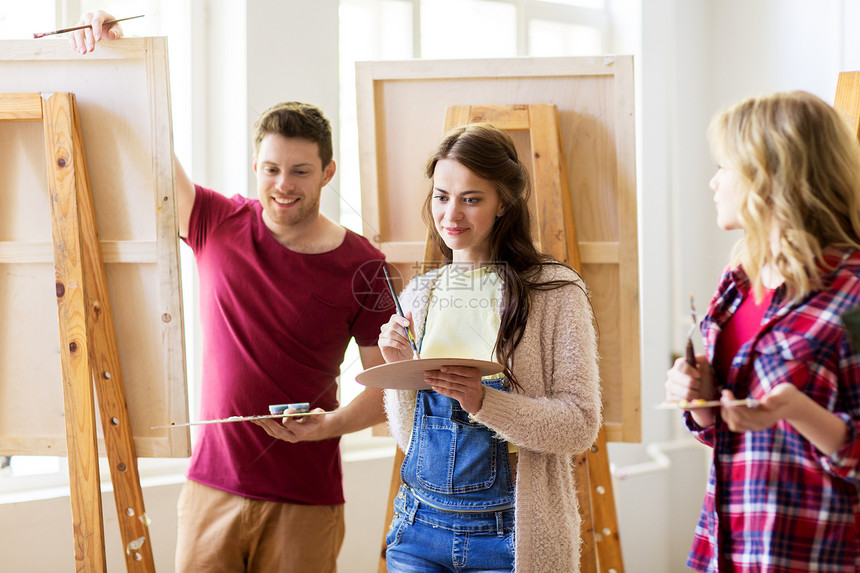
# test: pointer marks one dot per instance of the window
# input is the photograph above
(20, 20)
(550, 38)
(468, 29)
(583, 3)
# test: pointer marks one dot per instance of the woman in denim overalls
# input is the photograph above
(460, 507)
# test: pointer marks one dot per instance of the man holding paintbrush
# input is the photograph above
(278, 307)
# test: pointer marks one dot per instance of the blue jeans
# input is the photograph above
(422, 539)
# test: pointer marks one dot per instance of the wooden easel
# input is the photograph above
(601, 548)
(88, 347)
(847, 98)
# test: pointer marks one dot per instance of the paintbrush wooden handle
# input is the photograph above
(691, 353)
(242, 419)
(692, 404)
(73, 28)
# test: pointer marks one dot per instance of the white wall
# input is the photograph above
(265, 52)
(36, 536)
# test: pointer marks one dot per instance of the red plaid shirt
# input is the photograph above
(774, 502)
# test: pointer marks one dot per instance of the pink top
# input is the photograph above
(741, 328)
(276, 324)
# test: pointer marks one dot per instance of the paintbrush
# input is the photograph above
(400, 312)
(691, 351)
(243, 419)
(691, 404)
(64, 30)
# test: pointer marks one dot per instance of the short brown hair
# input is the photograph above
(296, 119)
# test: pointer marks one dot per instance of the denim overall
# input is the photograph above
(455, 509)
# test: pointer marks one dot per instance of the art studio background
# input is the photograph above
(231, 59)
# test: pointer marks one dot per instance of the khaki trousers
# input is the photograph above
(222, 532)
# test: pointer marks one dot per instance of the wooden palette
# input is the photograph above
(409, 374)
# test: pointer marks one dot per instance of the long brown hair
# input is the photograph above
(489, 153)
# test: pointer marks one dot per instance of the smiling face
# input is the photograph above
(290, 179)
(464, 208)
(726, 185)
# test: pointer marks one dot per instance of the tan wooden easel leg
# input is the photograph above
(847, 99)
(74, 349)
(587, 547)
(109, 381)
(604, 519)
(393, 488)
(89, 352)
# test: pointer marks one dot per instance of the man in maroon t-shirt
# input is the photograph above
(281, 295)
(283, 289)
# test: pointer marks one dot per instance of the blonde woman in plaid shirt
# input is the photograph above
(783, 490)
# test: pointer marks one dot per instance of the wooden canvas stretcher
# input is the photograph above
(108, 225)
(123, 101)
(402, 110)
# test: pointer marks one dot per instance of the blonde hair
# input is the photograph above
(800, 168)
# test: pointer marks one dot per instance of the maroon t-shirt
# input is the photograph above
(275, 324)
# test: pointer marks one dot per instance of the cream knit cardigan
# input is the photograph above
(554, 419)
